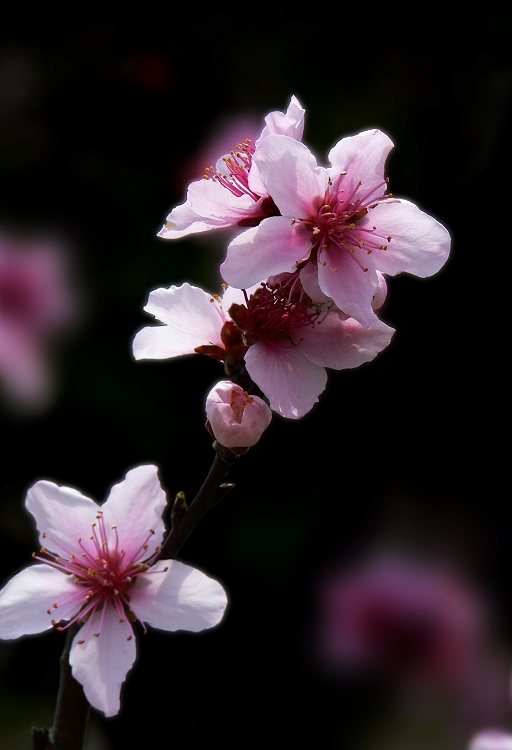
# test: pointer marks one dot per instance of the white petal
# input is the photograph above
(270, 248)
(182, 598)
(63, 515)
(135, 506)
(290, 381)
(419, 243)
(192, 318)
(27, 597)
(101, 664)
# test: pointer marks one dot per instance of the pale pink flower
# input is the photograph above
(491, 739)
(337, 224)
(284, 341)
(232, 191)
(96, 570)
(38, 302)
(236, 418)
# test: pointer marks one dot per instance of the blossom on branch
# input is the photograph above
(97, 568)
(237, 419)
(232, 192)
(39, 302)
(338, 225)
(273, 331)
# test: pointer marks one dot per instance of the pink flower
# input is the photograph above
(237, 419)
(491, 739)
(415, 621)
(96, 570)
(232, 192)
(37, 304)
(273, 330)
(337, 224)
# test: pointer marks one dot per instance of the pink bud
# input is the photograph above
(237, 420)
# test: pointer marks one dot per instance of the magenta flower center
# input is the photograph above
(275, 310)
(103, 573)
(337, 223)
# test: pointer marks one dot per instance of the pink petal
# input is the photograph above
(343, 344)
(192, 318)
(341, 277)
(362, 156)
(135, 506)
(26, 598)
(63, 514)
(182, 598)
(290, 381)
(270, 248)
(420, 244)
(291, 123)
(101, 664)
(209, 205)
(291, 176)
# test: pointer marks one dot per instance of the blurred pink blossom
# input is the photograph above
(410, 620)
(491, 739)
(37, 304)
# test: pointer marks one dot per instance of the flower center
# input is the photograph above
(337, 223)
(103, 573)
(238, 164)
(278, 307)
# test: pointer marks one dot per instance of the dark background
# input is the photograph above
(100, 123)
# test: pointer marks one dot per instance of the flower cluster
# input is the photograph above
(305, 274)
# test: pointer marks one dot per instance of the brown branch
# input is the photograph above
(183, 518)
(71, 710)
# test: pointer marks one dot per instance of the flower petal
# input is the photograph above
(342, 344)
(362, 156)
(341, 277)
(209, 205)
(290, 381)
(100, 664)
(291, 175)
(135, 507)
(27, 597)
(192, 318)
(419, 243)
(181, 598)
(270, 248)
(63, 515)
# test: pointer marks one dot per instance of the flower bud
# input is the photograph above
(237, 420)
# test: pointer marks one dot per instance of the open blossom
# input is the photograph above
(96, 570)
(236, 418)
(232, 192)
(284, 341)
(338, 225)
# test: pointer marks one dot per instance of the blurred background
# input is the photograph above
(366, 548)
